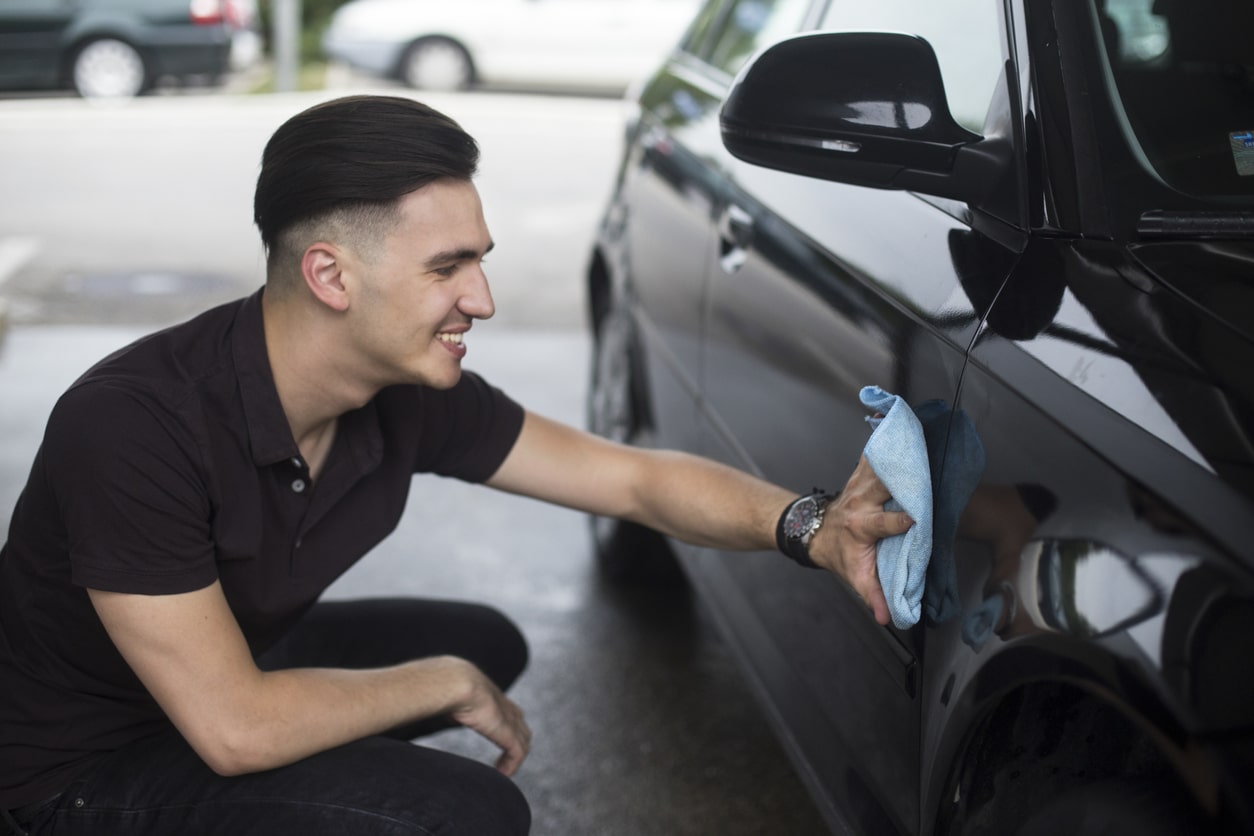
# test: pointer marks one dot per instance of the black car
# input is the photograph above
(1034, 221)
(116, 48)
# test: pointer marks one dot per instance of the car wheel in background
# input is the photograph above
(626, 552)
(109, 69)
(437, 64)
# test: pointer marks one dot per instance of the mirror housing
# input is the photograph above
(865, 108)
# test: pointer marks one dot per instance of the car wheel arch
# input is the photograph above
(984, 737)
(599, 289)
(627, 553)
(603, 294)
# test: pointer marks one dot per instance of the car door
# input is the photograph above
(664, 208)
(815, 290)
(30, 40)
(1107, 544)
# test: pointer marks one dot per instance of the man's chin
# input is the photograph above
(445, 379)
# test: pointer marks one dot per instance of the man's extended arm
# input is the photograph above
(698, 500)
(189, 652)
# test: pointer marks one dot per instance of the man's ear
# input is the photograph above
(322, 269)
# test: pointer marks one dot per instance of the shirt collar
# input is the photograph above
(269, 434)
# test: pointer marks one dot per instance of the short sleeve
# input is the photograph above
(125, 471)
(468, 430)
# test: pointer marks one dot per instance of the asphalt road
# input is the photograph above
(121, 219)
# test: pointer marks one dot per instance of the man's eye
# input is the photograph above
(445, 272)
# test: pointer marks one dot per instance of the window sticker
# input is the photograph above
(1243, 151)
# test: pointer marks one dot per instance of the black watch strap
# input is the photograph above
(796, 548)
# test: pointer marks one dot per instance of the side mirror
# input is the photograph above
(866, 108)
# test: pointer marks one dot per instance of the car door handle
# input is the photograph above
(735, 233)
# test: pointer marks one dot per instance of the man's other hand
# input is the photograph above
(495, 716)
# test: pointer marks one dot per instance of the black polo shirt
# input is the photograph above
(169, 465)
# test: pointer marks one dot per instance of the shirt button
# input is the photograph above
(298, 485)
(297, 463)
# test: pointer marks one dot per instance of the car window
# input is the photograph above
(1138, 35)
(1183, 75)
(966, 36)
(752, 24)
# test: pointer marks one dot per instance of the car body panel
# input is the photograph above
(1097, 518)
(39, 38)
(1096, 362)
(798, 326)
(30, 41)
(670, 239)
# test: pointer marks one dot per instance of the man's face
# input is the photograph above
(415, 300)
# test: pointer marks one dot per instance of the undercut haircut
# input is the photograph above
(342, 166)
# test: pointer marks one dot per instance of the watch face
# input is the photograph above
(800, 517)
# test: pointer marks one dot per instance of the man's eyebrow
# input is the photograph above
(461, 254)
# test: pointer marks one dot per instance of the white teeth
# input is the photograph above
(450, 338)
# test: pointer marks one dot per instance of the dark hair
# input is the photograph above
(355, 152)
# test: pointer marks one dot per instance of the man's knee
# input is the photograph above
(491, 804)
(509, 654)
(374, 785)
(435, 791)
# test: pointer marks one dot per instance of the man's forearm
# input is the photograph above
(189, 652)
(290, 714)
(698, 500)
(706, 503)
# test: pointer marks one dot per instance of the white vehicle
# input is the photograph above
(442, 45)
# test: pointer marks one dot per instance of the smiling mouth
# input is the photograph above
(455, 339)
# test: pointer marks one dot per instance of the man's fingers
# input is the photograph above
(888, 523)
(514, 738)
(500, 720)
(866, 582)
(515, 742)
(865, 485)
(878, 606)
(509, 761)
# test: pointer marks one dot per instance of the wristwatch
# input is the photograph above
(798, 523)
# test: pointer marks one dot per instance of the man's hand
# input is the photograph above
(852, 525)
(495, 716)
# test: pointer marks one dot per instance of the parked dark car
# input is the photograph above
(119, 48)
(1033, 220)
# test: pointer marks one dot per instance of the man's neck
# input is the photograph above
(314, 390)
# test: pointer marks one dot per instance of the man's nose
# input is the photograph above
(476, 301)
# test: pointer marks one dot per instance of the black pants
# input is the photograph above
(379, 785)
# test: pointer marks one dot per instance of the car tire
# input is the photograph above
(108, 68)
(626, 552)
(437, 64)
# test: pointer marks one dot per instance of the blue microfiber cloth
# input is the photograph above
(897, 452)
(954, 448)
